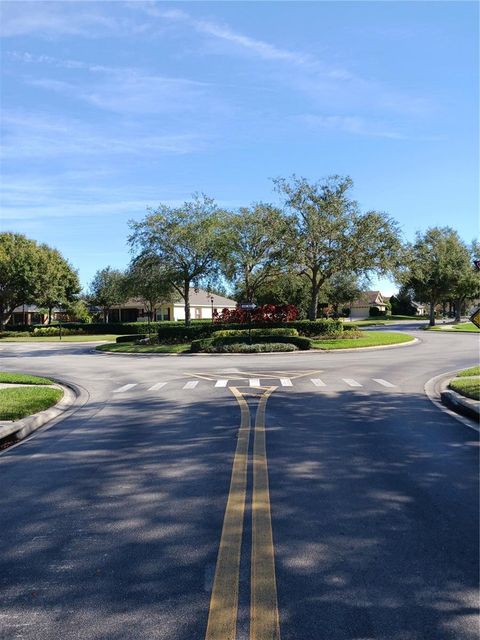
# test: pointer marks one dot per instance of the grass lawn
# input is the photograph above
(128, 347)
(473, 371)
(369, 339)
(468, 387)
(19, 402)
(21, 378)
(83, 338)
(463, 327)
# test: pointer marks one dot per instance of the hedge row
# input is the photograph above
(262, 347)
(174, 332)
(207, 343)
(225, 333)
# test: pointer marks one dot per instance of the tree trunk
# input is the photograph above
(186, 298)
(49, 315)
(312, 311)
(432, 314)
(458, 309)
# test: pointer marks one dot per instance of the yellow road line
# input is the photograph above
(264, 620)
(222, 617)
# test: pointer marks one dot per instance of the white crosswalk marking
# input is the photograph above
(254, 382)
(221, 383)
(351, 382)
(125, 387)
(157, 386)
(286, 382)
(317, 382)
(191, 384)
(384, 383)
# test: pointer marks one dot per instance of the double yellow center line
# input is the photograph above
(264, 620)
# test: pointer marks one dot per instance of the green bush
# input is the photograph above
(241, 347)
(279, 331)
(13, 334)
(55, 331)
(202, 345)
(375, 312)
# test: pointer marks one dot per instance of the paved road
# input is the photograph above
(365, 527)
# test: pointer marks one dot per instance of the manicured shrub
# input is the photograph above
(202, 345)
(55, 331)
(18, 327)
(241, 347)
(13, 334)
(264, 314)
(264, 331)
(375, 312)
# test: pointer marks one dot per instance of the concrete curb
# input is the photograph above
(20, 429)
(466, 406)
(436, 388)
(410, 343)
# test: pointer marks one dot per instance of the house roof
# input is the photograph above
(369, 299)
(198, 298)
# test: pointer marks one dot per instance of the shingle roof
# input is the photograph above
(200, 298)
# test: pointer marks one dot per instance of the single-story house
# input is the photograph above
(360, 308)
(31, 314)
(420, 308)
(202, 305)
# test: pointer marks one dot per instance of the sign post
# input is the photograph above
(249, 306)
(475, 318)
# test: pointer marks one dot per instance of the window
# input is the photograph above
(198, 313)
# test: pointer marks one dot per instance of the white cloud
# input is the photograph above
(121, 89)
(29, 135)
(319, 79)
(54, 18)
(356, 125)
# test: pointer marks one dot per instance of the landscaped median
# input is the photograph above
(467, 383)
(462, 393)
(23, 395)
(462, 327)
(303, 335)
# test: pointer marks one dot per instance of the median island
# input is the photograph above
(299, 335)
(23, 395)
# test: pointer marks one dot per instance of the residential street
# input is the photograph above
(365, 502)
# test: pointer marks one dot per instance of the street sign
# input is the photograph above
(248, 306)
(475, 318)
(477, 264)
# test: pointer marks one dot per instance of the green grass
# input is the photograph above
(82, 338)
(463, 327)
(128, 347)
(19, 402)
(21, 378)
(473, 371)
(370, 339)
(468, 387)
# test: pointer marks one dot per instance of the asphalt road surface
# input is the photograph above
(307, 496)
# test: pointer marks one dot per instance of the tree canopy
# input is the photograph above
(107, 289)
(186, 240)
(254, 248)
(439, 266)
(33, 273)
(329, 235)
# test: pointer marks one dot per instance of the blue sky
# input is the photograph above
(112, 107)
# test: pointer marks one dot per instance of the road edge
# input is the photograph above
(436, 386)
(20, 429)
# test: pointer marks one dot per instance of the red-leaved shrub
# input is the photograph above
(266, 313)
